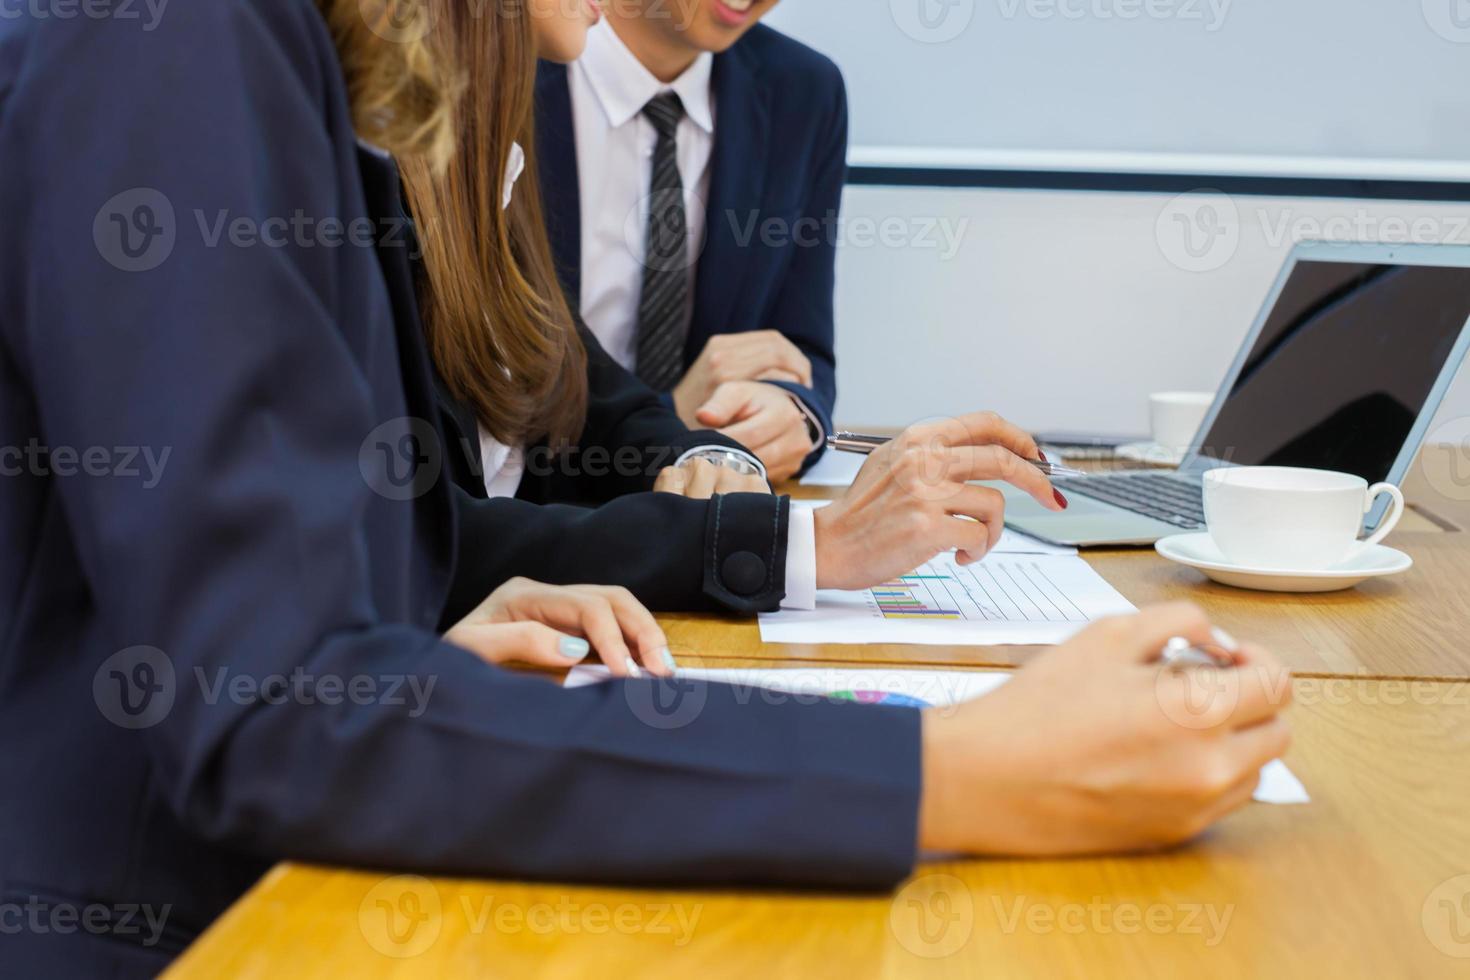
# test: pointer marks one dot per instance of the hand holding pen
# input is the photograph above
(856, 442)
(916, 497)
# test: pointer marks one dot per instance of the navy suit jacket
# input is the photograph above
(776, 178)
(180, 651)
(588, 515)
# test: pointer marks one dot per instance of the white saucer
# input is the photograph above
(1199, 551)
(1149, 452)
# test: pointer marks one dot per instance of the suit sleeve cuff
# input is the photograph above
(801, 560)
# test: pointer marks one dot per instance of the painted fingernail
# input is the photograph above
(1043, 456)
(573, 648)
(1061, 501)
(668, 659)
(633, 669)
(1224, 640)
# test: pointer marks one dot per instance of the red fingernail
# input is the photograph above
(1061, 501)
(1043, 456)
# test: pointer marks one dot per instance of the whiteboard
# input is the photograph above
(1331, 88)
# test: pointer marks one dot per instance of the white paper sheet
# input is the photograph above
(1012, 542)
(1007, 598)
(834, 469)
(936, 688)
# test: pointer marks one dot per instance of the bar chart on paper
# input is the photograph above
(1008, 598)
(1001, 590)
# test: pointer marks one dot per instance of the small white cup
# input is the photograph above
(1288, 518)
(1175, 417)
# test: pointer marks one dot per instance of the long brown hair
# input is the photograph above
(498, 325)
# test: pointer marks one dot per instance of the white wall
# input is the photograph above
(1320, 82)
(1064, 309)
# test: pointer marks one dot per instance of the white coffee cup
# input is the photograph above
(1288, 518)
(1175, 417)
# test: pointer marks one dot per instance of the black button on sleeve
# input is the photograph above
(744, 573)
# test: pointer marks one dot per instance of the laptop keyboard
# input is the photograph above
(1163, 498)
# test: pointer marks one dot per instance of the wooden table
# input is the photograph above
(1413, 625)
(1371, 879)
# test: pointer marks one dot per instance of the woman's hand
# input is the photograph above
(912, 500)
(701, 479)
(1096, 747)
(557, 626)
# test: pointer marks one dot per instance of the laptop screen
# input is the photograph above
(1342, 368)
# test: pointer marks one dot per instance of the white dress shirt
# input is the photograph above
(502, 465)
(610, 87)
(615, 144)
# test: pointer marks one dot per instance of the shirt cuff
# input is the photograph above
(814, 428)
(801, 559)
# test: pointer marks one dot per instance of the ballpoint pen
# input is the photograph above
(856, 442)
(1179, 653)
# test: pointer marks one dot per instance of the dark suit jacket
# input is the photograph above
(281, 546)
(673, 554)
(779, 165)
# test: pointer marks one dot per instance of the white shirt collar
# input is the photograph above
(624, 86)
(515, 165)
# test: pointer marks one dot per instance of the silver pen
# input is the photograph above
(856, 442)
(1180, 654)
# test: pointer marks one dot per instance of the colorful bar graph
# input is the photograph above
(902, 599)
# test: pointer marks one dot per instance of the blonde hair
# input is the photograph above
(403, 94)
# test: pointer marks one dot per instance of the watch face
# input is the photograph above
(730, 460)
(739, 464)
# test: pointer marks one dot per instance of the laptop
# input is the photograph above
(1343, 370)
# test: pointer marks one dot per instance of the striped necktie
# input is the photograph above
(663, 305)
